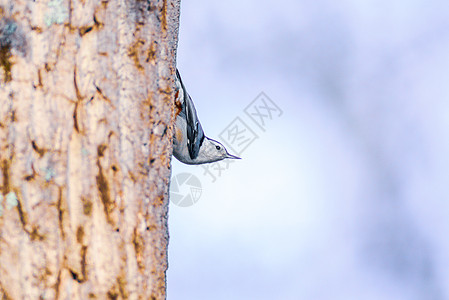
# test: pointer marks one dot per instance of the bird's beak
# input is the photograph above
(232, 156)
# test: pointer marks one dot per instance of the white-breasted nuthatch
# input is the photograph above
(190, 144)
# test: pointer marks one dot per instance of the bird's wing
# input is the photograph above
(195, 133)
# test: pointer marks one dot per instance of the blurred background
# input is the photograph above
(343, 192)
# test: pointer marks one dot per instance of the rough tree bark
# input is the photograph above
(86, 89)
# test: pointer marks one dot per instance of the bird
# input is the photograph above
(190, 145)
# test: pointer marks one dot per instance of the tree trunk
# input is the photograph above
(86, 109)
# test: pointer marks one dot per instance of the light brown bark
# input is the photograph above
(86, 89)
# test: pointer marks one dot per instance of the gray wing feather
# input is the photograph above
(195, 133)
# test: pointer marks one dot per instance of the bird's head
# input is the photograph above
(212, 151)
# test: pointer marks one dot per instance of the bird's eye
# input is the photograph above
(218, 147)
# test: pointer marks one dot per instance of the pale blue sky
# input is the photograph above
(345, 196)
